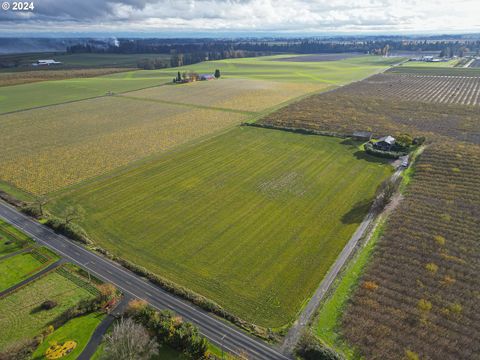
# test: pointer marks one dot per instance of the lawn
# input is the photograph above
(78, 329)
(26, 96)
(21, 266)
(11, 239)
(252, 218)
(19, 314)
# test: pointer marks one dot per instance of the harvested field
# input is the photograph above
(419, 297)
(19, 318)
(251, 219)
(464, 90)
(50, 148)
(319, 57)
(238, 94)
(24, 77)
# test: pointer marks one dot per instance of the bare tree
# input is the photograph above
(129, 341)
(73, 213)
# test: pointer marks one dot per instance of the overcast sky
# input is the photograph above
(252, 16)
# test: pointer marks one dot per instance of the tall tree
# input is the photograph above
(73, 213)
(129, 341)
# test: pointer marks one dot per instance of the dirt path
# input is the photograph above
(308, 312)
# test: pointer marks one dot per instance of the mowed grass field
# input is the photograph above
(252, 218)
(26, 96)
(21, 266)
(19, 314)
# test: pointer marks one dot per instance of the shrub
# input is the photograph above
(424, 305)
(432, 267)
(456, 308)
(70, 230)
(369, 149)
(19, 350)
(32, 211)
(410, 355)
(310, 348)
(370, 285)
(48, 304)
(439, 239)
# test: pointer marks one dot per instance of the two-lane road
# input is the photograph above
(217, 331)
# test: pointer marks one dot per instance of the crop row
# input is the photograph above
(463, 90)
(425, 269)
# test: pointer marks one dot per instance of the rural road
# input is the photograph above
(308, 312)
(218, 332)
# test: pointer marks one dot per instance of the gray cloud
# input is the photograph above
(248, 15)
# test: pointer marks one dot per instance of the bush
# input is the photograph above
(169, 329)
(48, 304)
(19, 350)
(310, 348)
(70, 230)
(32, 211)
(369, 149)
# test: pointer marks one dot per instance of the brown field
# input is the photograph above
(426, 267)
(464, 90)
(24, 77)
(237, 94)
(72, 142)
(319, 57)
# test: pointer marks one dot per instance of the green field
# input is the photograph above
(21, 266)
(11, 239)
(450, 63)
(19, 314)
(252, 218)
(79, 329)
(26, 96)
(87, 60)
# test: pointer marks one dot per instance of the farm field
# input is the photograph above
(429, 88)
(318, 57)
(363, 107)
(237, 94)
(79, 329)
(26, 96)
(475, 64)
(426, 64)
(72, 142)
(435, 70)
(19, 314)
(247, 218)
(419, 296)
(87, 60)
(21, 266)
(24, 77)
(11, 239)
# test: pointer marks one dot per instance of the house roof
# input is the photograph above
(388, 139)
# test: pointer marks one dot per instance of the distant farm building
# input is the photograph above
(47, 62)
(384, 143)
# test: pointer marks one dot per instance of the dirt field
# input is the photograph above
(319, 57)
